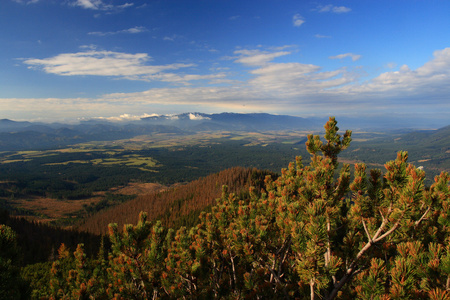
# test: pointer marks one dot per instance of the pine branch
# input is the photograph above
(390, 230)
(273, 274)
(376, 238)
(233, 269)
(417, 223)
(367, 232)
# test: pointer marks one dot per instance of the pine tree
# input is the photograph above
(136, 260)
(11, 284)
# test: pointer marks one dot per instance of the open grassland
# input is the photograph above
(134, 160)
(141, 162)
(47, 209)
(204, 138)
(118, 147)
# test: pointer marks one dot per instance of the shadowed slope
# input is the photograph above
(178, 206)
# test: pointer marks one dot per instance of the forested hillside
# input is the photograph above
(39, 242)
(427, 148)
(181, 205)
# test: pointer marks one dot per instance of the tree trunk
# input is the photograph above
(311, 285)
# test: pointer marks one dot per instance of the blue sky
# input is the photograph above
(63, 60)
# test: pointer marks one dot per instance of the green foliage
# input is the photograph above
(11, 284)
(38, 276)
(137, 258)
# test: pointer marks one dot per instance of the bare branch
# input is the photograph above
(376, 238)
(383, 224)
(381, 214)
(422, 217)
(390, 230)
(367, 231)
(233, 268)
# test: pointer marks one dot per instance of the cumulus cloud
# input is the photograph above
(116, 64)
(90, 4)
(298, 20)
(26, 2)
(198, 117)
(333, 9)
(257, 57)
(126, 117)
(184, 78)
(171, 38)
(88, 47)
(354, 57)
(223, 98)
(406, 90)
(102, 63)
(288, 79)
(98, 5)
(297, 80)
(133, 30)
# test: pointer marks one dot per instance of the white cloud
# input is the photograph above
(223, 98)
(99, 5)
(320, 36)
(288, 79)
(136, 29)
(90, 4)
(296, 79)
(133, 30)
(341, 9)
(26, 2)
(257, 57)
(127, 117)
(116, 64)
(184, 78)
(88, 47)
(425, 88)
(125, 5)
(298, 20)
(333, 9)
(102, 63)
(354, 57)
(198, 117)
(174, 37)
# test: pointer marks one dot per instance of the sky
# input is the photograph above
(68, 60)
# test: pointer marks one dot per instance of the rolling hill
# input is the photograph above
(180, 205)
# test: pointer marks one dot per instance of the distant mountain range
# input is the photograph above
(235, 121)
(32, 135)
(263, 122)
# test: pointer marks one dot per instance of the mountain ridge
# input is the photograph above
(23, 135)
